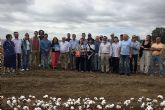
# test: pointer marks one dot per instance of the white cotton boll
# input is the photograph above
(45, 96)
(149, 108)
(9, 103)
(148, 99)
(99, 107)
(28, 100)
(22, 97)
(1, 97)
(33, 97)
(14, 102)
(127, 102)
(118, 106)
(13, 98)
(80, 107)
(88, 106)
(72, 108)
(25, 108)
(54, 107)
(142, 105)
(66, 105)
(155, 101)
(15, 108)
(95, 98)
(160, 97)
(140, 100)
(101, 98)
(162, 103)
(132, 99)
(103, 102)
(38, 108)
(109, 106)
(18, 106)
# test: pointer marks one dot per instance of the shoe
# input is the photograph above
(27, 69)
(22, 70)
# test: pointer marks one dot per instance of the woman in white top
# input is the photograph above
(115, 55)
(26, 46)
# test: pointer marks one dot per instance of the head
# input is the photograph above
(35, 33)
(112, 36)
(121, 37)
(73, 36)
(134, 38)
(89, 35)
(26, 36)
(101, 37)
(68, 35)
(41, 32)
(16, 35)
(116, 39)
(83, 35)
(148, 37)
(158, 39)
(55, 40)
(97, 38)
(104, 39)
(63, 39)
(125, 37)
(8, 37)
(81, 41)
(45, 36)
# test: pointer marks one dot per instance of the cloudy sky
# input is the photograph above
(58, 17)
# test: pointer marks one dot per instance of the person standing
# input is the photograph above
(115, 55)
(45, 46)
(73, 45)
(90, 55)
(35, 49)
(17, 43)
(146, 55)
(125, 55)
(135, 52)
(26, 48)
(64, 53)
(156, 50)
(55, 53)
(97, 59)
(9, 54)
(105, 51)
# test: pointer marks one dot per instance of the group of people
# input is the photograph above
(117, 55)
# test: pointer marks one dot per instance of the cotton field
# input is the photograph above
(96, 103)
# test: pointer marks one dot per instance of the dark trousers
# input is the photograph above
(115, 64)
(82, 62)
(18, 60)
(78, 63)
(89, 65)
(133, 63)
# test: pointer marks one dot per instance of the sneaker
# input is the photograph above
(22, 70)
(27, 69)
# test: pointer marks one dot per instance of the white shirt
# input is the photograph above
(73, 43)
(28, 45)
(105, 48)
(64, 47)
(17, 43)
(115, 49)
(91, 46)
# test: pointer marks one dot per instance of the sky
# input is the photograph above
(98, 17)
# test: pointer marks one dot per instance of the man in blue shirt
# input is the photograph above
(125, 55)
(45, 50)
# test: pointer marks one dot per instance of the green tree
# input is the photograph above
(159, 32)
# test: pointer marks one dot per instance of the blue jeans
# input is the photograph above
(133, 63)
(25, 59)
(45, 59)
(124, 64)
(156, 59)
(96, 62)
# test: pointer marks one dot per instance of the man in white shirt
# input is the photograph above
(17, 43)
(73, 45)
(64, 53)
(105, 51)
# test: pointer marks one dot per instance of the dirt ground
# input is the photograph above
(73, 84)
